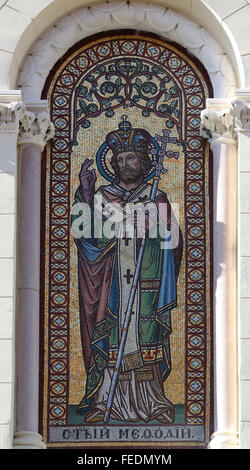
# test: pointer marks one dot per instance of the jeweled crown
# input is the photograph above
(125, 138)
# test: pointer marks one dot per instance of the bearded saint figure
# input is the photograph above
(105, 271)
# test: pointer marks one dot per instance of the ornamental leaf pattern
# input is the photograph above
(127, 82)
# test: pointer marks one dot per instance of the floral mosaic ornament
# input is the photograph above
(158, 87)
(127, 83)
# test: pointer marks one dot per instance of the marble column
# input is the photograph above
(34, 132)
(218, 126)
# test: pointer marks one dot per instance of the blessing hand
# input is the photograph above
(87, 180)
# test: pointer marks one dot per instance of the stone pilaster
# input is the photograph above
(11, 109)
(240, 107)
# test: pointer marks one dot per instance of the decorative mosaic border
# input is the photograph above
(193, 80)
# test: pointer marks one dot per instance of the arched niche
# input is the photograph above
(31, 80)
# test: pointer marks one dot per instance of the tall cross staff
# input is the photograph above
(158, 170)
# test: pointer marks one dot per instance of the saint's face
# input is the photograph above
(129, 167)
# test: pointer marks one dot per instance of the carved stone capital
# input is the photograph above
(241, 114)
(223, 125)
(29, 127)
(36, 129)
(10, 115)
(218, 126)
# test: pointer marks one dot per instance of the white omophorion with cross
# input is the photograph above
(131, 263)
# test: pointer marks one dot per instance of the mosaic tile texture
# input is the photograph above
(158, 87)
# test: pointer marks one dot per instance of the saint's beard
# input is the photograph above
(130, 175)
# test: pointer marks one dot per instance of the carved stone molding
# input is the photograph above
(121, 14)
(35, 129)
(223, 125)
(28, 440)
(241, 114)
(10, 115)
(224, 440)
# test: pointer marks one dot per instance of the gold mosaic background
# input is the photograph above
(171, 183)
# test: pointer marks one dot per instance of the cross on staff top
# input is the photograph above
(166, 139)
